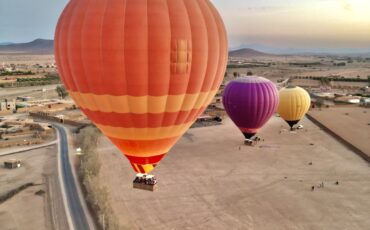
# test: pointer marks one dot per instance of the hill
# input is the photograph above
(38, 46)
(248, 53)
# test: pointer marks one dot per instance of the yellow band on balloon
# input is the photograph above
(142, 104)
(144, 133)
(148, 168)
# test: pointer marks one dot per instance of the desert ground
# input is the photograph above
(210, 180)
(29, 59)
(352, 123)
(26, 210)
(31, 91)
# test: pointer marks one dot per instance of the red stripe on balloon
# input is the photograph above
(145, 160)
(141, 169)
(134, 167)
(248, 130)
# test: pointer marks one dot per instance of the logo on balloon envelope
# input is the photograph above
(181, 57)
(120, 61)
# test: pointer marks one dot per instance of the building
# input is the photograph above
(348, 99)
(24, 98)
(7, 105)
(12, 164)
(365, 101)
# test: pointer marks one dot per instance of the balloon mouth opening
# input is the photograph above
(248, 136)
(292, 123)
(144, 165)
(143, 169)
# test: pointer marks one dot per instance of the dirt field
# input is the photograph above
(281, 68)
(350, 122)
(335, 84)
(32, 91)
(28, 59)
(211, 181)
(26, 210)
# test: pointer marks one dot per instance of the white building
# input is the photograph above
(365, 101)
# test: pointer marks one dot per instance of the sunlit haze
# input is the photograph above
(309, 24)
(306, 24)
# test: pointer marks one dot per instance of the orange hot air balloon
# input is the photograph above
(141, 70)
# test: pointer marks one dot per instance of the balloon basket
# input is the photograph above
(145, 182)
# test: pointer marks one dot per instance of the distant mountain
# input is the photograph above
(6, 43)
(351, 52)
(38, 46)
(248, 53)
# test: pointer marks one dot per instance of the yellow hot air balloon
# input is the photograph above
(294, 104)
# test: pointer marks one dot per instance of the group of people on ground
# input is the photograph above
(321, 185)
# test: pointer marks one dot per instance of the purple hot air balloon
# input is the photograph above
(250, 102)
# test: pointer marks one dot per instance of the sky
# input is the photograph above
(281, 24)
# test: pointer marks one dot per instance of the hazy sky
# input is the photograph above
(276, 23)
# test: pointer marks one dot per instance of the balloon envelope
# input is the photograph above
(294, 104)
(250, 103)
(141, 70)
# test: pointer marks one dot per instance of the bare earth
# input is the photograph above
(206, 182)
(32, 91)
(352, 123)
(28, 59)
(26, 210)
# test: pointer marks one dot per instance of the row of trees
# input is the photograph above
(97, 196)
(16, 73)
(50, 78)
(61, 91)
(329, 78)
(46, 78)
(250, 65)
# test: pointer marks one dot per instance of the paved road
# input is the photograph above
(78, 215)
(5, 152)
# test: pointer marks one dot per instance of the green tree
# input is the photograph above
(62, 92)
